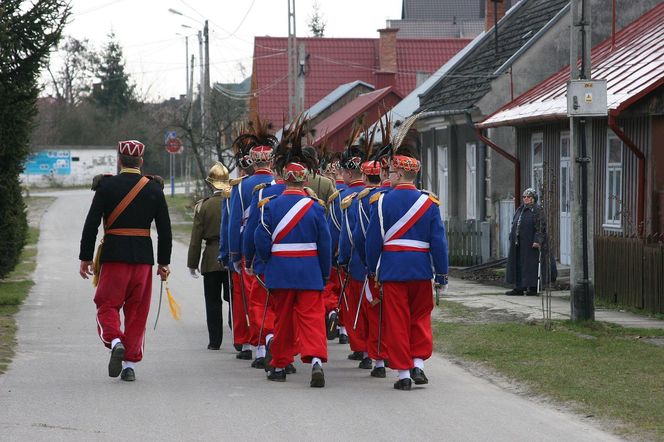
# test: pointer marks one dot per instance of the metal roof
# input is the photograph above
(633, 68)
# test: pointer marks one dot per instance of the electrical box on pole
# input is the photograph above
(586, 98)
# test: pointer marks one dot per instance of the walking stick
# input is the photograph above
(161, 292)
(380, 318)
(359, 304)
(343, 291)
(437, 287)
(244, 299)
(230, 298)
(267, 298)
(539, 269)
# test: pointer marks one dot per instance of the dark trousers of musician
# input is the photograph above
(214, 284)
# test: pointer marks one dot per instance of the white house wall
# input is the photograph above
(85, 163)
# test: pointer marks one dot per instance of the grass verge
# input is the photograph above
(16, 286)
(181, 210)
(599, 369)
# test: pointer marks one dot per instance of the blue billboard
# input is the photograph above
(47, 162)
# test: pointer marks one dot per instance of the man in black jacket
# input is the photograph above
(127, 202)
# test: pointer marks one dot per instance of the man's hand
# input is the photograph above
(163, 272)
(237, 266)
(194, 273)
(249, 271)
(442, 287)
(536, 245)
(85, 269)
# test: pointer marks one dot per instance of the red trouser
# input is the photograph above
(373, 321)
(241, 330)
(257, 310)
(127, 287)
(407, 310)
(357, 337)
(299, 314)
(331, 291)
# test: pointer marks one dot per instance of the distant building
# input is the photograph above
(55, 166)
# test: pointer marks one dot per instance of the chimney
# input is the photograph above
(491, 13)
(387, 58)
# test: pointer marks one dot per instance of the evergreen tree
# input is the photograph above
(27, 33)
(115, 93)
(316, 22)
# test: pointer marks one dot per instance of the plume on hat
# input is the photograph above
(289, 149)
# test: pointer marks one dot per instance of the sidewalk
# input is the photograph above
(476, 295)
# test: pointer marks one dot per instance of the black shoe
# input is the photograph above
(343, 338)
(331, 323)
(378, 372)
(356, 356)
(403, 384)
(290, 369)
(514, 292)
(317, 376)
(258, 363)
(115, 363)
(366, 363)
(276, 376)
(128, 375)
(244, 354)
(532, 291)
(418, 376)
(238, 347)
(213, 347)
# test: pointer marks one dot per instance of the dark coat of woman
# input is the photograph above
(528, 228)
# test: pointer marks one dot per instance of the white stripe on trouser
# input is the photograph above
(101, 329)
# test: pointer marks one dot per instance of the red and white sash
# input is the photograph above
(392, 241)
(292, 217)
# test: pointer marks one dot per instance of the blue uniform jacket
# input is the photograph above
(427, 231)
(347, 253)
(334, 219)
(248, 244)
(288, 272)
(240, 202)
(364, 216)
(223, 230)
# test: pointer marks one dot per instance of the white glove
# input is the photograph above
(194, 273)
(237, 265)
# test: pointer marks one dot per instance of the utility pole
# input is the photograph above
(201, 87)
(293, 67)
(301, 72)
(582, 195)
(206, 85)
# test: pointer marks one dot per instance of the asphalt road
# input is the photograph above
(58, 387)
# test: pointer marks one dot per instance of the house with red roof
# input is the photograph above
(382, 62)
(626, 152)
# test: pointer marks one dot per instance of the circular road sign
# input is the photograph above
(173, 145)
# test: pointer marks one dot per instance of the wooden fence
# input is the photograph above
(630, 271)
(467, 241)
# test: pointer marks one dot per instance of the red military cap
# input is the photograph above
(371, 167)
(405, 163)
(132, 148)
(295, 172)
(261, 154)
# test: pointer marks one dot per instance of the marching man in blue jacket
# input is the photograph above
(293, 240)
(406, 228)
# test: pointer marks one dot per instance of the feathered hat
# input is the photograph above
(367, 144)
(289, 160)
(353, 156)
(404, 146)
(263, 140)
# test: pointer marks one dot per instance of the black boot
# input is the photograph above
(366, 363)
(532, 291)
(515, 292)
(317, 376)
(356, 356)
(244, 354)
(403, 384)
(276, 376)
(258, 363)
(343, 338)
(378, 372)
(128, 375)
(115, 363)
(418, 376)
(290, 369)
(331, 323)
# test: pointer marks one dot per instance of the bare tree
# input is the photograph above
(72, 82)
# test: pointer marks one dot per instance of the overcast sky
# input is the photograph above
(155, 53)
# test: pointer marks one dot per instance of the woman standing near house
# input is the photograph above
(528, 245)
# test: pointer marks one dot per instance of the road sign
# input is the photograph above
(170, 134)
(174, 145)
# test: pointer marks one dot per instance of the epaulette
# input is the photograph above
(197, 206)
(310, 192)
(364, 193)
(236, 181)
(346, 202)
(264, 201)
(258, 187)
(226, 193)
(375, 197)
(432, 197)
(333, 197)
(157, 179)
(97, 180)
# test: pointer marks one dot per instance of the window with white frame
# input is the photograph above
(537, 154)
(471, 181)
(614, 172)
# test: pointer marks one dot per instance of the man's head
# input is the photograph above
(130, 153)
(403, 169)
(351, 164)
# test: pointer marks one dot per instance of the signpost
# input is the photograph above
(173, 146)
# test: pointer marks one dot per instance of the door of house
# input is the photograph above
(565, 203)
(443, 186)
